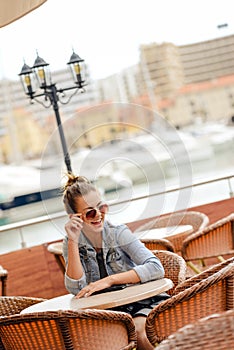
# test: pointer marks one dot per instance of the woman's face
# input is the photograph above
(92, 210)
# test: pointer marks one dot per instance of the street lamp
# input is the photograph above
(38, 76)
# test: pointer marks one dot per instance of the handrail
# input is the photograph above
(174, 189)
(62, 214)
(29, 222)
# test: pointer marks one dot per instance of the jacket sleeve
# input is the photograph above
(72, 286)
(147, 265)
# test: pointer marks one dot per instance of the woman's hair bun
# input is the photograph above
(74, 179)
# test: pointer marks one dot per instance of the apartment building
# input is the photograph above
(191, 81)
(207, 60)
(121, 87)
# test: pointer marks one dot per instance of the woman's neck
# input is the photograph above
(95, 238)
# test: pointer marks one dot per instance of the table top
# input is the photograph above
(56, 248)
(164, 232)
(106, 300)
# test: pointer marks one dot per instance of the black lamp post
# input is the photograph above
(39, 76)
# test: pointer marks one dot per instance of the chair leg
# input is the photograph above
(4, 285)
(221, 258)
(193, 267)
(60, 261)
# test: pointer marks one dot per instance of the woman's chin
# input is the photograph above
(97, 225)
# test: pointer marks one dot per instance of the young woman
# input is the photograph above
(99, 255)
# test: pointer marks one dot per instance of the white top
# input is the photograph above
(107, 300)
(164, 232)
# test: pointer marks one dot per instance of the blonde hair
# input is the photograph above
(76, 186)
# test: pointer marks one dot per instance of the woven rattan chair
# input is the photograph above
(201, 276)
(68, 330)
(196, 219)
(212, 332)
(11, 305)
(211, 242)
(3, 278)
(212, 295)
(158, 244)
(57, 250)
(174, 267)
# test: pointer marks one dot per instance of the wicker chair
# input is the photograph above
(12, 305)
(3, 278)
(57, 250)
(212, 242)
(158, 244)
(196, 219)
(201, 276)
(212, 295)
(68, 330)
(174, 267)
(212, 332)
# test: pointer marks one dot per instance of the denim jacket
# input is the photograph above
(122, 251)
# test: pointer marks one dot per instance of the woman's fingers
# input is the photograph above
(93, 287)
(88, 290)
(84, 293)
(74, 226)
(76, 221)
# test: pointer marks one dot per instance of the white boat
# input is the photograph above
(219, 136)
(16, 180)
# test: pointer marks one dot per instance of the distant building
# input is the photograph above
(191, 81)
(120, 87)
(182, 83)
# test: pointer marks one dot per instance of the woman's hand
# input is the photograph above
(94, 287)
(73, 227)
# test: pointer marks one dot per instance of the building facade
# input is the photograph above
(182, 83)
(191, 81)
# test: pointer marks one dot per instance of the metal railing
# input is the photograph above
(180, 188)
(22, 225)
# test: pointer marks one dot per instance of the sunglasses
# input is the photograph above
(90, 214)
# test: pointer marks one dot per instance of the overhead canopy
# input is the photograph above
(11, 10)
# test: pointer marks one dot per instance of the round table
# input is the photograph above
(107, 300)
(175, 234)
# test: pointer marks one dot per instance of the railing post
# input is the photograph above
(230, 187)
(23, 243)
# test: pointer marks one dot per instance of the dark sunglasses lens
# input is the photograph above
(103, 208)
(91, 214)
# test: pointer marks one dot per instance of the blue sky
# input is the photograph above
(107, 33)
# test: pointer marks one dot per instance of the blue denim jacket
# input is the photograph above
(122, 251)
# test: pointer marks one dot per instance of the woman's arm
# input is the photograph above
(126, 277)
(74, 268)
(148, 266)
(74, 275)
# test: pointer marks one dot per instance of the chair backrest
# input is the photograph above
(212, 295)
(68, 330)
(11, 305)
(215, 240)
(174, 267)
(158, 244)
(189, 282)
(197, 219)
(212, 332)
